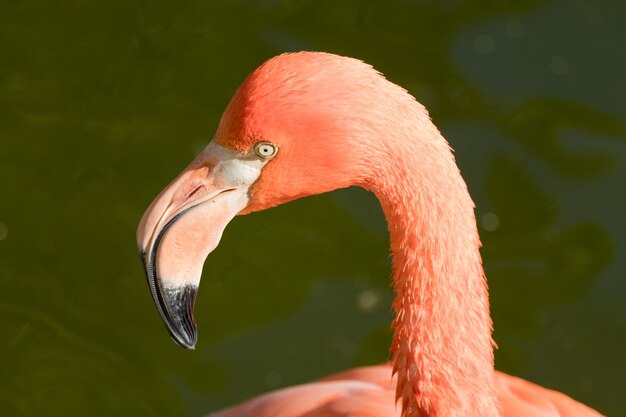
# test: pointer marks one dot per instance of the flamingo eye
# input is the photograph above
(265, 149)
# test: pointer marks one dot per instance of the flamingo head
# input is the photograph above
(297, 126)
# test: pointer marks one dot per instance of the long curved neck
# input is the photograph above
(442, 347)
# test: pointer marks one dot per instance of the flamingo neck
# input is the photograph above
(442, 347)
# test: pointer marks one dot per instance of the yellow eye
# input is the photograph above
(265, 149)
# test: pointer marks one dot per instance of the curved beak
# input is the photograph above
(183, 225)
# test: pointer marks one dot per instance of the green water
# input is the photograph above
(102, 103)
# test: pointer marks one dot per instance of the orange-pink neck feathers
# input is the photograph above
(442, 346)
(338, 123)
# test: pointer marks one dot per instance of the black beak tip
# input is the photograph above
(178, 317)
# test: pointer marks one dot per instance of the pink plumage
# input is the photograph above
(369, 392)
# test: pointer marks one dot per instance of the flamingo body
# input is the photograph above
(308, 123)
(370, 392)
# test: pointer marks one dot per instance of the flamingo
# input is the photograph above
(307, 123)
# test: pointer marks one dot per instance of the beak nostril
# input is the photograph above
(199, 192)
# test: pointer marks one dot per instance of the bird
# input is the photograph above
(307, 123)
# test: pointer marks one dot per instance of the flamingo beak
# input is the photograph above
(183, 225)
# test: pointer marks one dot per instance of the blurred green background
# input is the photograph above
(102, 103)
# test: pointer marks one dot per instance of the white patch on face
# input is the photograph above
(233, 168)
